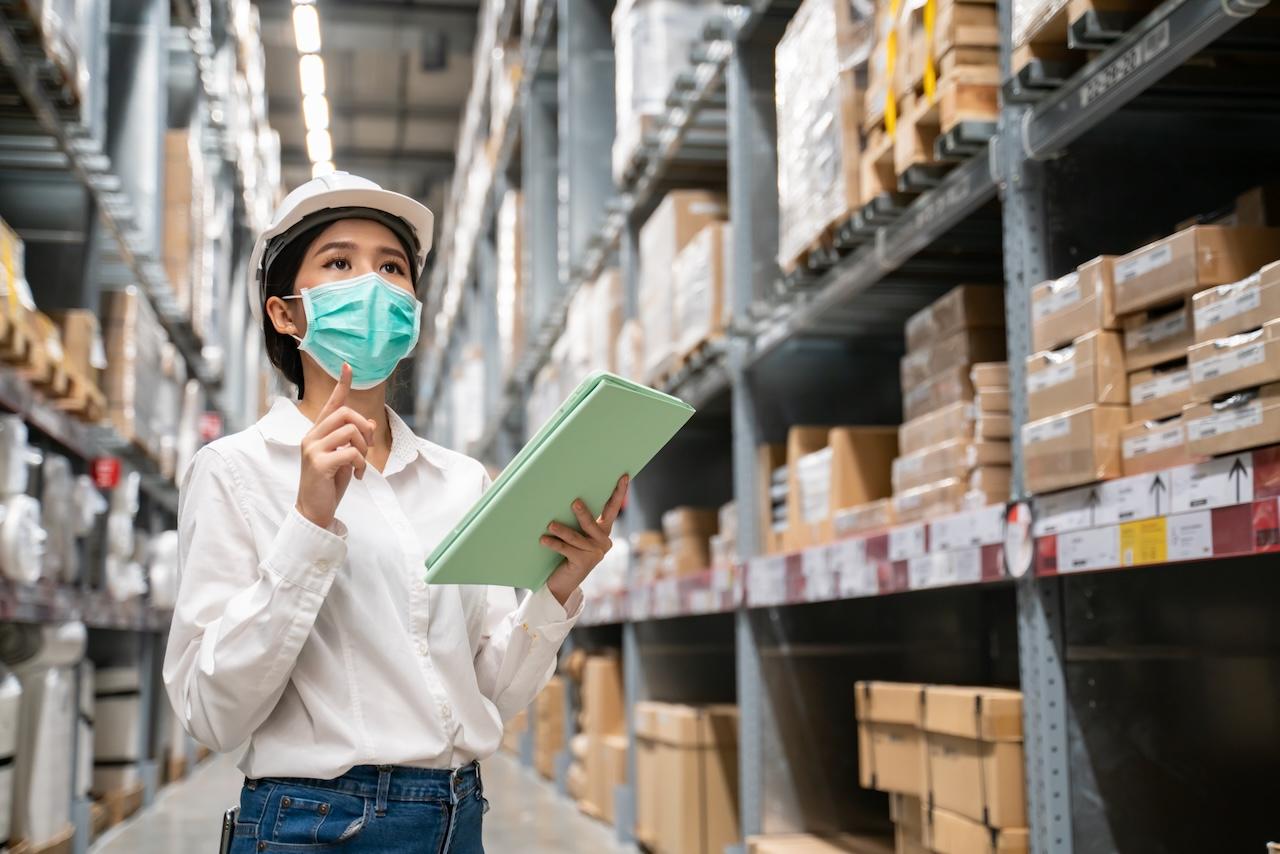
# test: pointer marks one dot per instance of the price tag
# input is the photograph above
(856, 576)
(907, 541)
(1220, 482)
(106, 472)
(1097, 548)
(819, 577)
(1128, 499)
(1061, 512)
(1143, 542)
(1190, 536)
(668, 597)
(925, 571)
(982, 527)
(722, 578)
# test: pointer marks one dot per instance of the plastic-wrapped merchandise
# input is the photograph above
(629, 353)
(124, 498)
(605, 321)
(135, 343)
(162, 569)
(59, 519)
(84, 731)
(120, 534)
(124, 578)
(117, 713)
(700, 277)
(22, 539)
(10, 712)
(510, 278)
(14, 455)
(468, 398)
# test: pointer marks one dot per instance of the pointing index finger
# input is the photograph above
(339, 395)
(614, 505)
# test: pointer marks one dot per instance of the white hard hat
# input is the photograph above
(339, 190)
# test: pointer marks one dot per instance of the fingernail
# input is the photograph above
(578, 504)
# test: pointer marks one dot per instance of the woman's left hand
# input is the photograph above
(585, 548)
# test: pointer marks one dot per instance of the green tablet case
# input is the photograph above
(607, 428)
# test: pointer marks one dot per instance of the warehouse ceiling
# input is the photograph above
(397, 75)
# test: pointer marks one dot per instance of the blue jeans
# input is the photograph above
(384, 808)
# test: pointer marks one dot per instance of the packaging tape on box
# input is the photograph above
(1074, 305)
(1148, 446)
(953, 458)
(1159, 392)
(1246, 419)
(958, 420)
(1157, 335)
(1089, 370)
(1239, 306)
(1236, 362)
(973, 739)
(1077, 447)
(891, 755)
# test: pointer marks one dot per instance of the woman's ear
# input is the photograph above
(278, 310)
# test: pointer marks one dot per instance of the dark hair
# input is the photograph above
(282, 350)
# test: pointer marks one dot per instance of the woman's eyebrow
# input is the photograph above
(344, 245)
(391, 250)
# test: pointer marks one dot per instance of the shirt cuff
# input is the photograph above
(307, 555)
(540, 612)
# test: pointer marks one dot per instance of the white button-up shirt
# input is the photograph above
(324, 648)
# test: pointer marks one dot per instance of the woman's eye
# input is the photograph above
(393, 267)
(338, 264)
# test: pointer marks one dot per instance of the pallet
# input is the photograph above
(61, 843)
(82, 398)
(43, 371)
(98, 818)
(15, 341)
(122, 803)
(175, 768)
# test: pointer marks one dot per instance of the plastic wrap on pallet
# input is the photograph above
(652, 43)
(10, 711)
(699, 277)
(510, 279)
(1030, 15)
(135, 342)
(58, 518)
(818, 104)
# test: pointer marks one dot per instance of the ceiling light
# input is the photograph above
(311, 71)
(324, 167)
(319, 146)
(315, 112)
(306, 29)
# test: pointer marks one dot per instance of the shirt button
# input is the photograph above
(422, 648)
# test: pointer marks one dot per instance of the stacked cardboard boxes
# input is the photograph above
(513, 732)
(686, 777)
(604, 744)
(510, 279)
(805, 843)
(144, 373)
(184, 225)
(688, 532)
(952, 759)
(724, 543)
(700, 280)
(678, 219)
(548, 725)
(830, 468)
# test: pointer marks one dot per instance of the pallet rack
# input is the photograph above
(1073, 170)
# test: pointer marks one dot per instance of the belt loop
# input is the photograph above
(455, 780)
(479, 779)
(384, 784)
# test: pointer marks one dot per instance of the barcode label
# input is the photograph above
(1229, 421)
(1157, 330)
(1051, 376)
(1143, 263)
(1150, 443)
(1249, 299)
(1162, 386)
(1228, 363)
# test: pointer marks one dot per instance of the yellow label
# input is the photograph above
(1144, 542)
(891, 59)
(930, 73)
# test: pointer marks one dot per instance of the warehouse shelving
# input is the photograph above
(1066, 174)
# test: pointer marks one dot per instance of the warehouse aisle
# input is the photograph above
(527, 815)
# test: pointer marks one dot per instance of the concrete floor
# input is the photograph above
(527, 814)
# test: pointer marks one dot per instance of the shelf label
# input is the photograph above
(1162, 386)
(767, 581)
(1155, 331)
(1228, 363)
(1128, 499)
(722, 579)
(1049, 428)
(984, 527)
(1097, 548)
(856, 576)
(1156, 440)
(907, 542)
(106, 472)
(1143, 263)
(926, 571)
(667, 597)
(819, 580)
(1249, 299)
(1060, 512)
(1227, 421)
(1143, 542)
(1051, 376)
(1121, 68)
(1220, 482)
(1190, 536)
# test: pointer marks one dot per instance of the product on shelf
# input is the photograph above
(22, 539)
(548, 725)
(983, 486)
(85, 358)
(963, 307)
(1239, 306)
(117, 729)
(990, 376)
(948, 833)
(1074, 305)
(907, 813)
(604, 319)
(628, 355)
(58, 518)
(964, 346)
(687, 777)
(1089, 370)
(603, 717)
(1157, 335)
(955, 458)
(162, 570)
(649, 550)
(973, 739)
(15, 456)
(688, 532)
(134, 377)
(861, 518)
(724, 543)
(818, 102)
(1236, 362)
(1074, 448)
(510, 278)
(700, 279)
(806, 843)
(771, 463)
(1246, 419)
(831, 468)
(1160, 391)
(513, 731)
(1190, 260)
(991, 401)
(672, 226)
(1147, 446)
(891, 747)
(184, 225)
(652, 42)
(956, 421)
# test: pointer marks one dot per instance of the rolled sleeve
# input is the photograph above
(306, 555)
(540, 614)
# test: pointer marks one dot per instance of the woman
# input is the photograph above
(303, 628)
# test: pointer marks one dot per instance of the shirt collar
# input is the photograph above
(285, 424)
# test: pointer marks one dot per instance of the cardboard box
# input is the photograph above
(1077, 447)
(953, 458)
(82, 343)
(1245, 420)
(948, 833)
(953, 385)
(956, 421)
(804, 843)
(687, 555)
(614, 774)
(1089, 370)
(1158, 336)
(510, 278)
(604, 320)
(1147, 446)
(857, 462)
(1239, 361)
(1239, 306)
(674, 223)
(988, 485)
(991, 401)
(648, 780)
(513, 730)
(697, 807)
(963, 307)
(602, 703)
(1159, 392)
(548, 725)
(973, 740)
(908, 815)
(701, 280)
(989, 375)
(890, 743)
(769, 458)
(1196, 258)
(964, 346)
(1078, 303)
(872, 516)
(690, 522)
(934, 499)
(1259, 206)
(628, 354)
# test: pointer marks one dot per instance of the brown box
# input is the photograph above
(956, 421)
(613, 768)
(991, 401)
(872, 516)
(82, 343)
(769, 458)
(602, 704)
(933, 499)
(675, 222)
(1078, 303)
(1259, 206)
(690, 522)
(699, 277)
(1196, 258)
(989, 375)
(1157, 336)
(908, 816)
(890, 743)
(989, 485)
(1239, 361)
(512, 731)
(859, 471)
(1245, 420)
(1089, 370)
(698, 762)
(1074, 448)
(687, 555)
(951, 386)
(1239, 306)
(805, 843)
(963, 307)
(954, 458)
(973, 740)
(648, 782)
(964, 346)
(948, 833)
(1159, 392)
(1147, 446)
(548, 725)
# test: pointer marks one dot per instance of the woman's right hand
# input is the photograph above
(332, 451)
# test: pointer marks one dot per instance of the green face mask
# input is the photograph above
(366, 322)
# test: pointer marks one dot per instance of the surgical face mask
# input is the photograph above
(366, 322)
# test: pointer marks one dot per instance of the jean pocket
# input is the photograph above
(314, 818)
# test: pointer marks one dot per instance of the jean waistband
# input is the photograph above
(395, 782)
